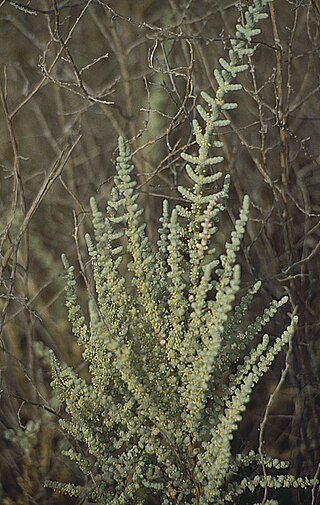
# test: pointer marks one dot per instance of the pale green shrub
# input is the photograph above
(172, 367)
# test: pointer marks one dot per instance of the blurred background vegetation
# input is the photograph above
(75, 75)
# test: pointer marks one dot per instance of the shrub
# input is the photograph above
(172, 365)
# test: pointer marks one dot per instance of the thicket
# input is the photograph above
(166, 308)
